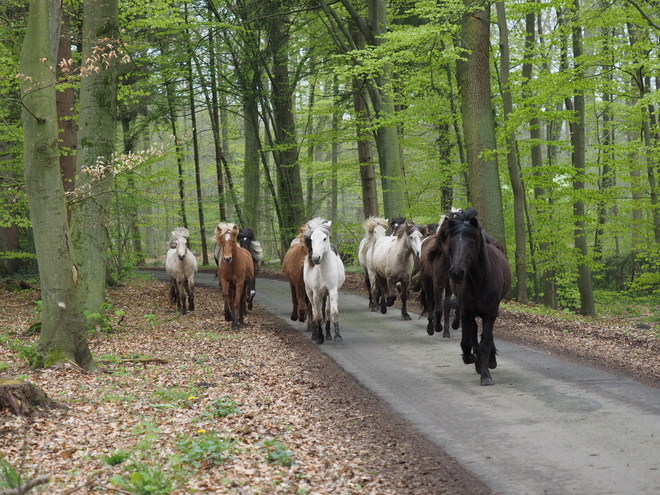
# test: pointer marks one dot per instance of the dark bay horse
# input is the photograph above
(292, 267)
(436, 294)
(481, 276)
(235, 270)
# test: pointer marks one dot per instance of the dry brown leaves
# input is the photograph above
(340, 438)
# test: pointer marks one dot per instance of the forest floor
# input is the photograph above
(183, 404)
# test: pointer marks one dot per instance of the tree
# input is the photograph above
(63, 325)
(96, 145)
(485, 193)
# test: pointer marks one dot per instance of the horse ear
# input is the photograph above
(475, 223)
(328, 223)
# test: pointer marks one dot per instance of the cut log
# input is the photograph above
(23, 398)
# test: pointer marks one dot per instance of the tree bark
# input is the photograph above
(63, 324)
(96, 144)
(485, 193)
(512, 161)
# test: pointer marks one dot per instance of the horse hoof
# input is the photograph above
(250, 306)
(485, 381)
(468, 358)
(328, 338)
(492, 364)
(294, 318)
(227, 316)
(446, 334)
(430, 330)
(338, 338)
(406, 317)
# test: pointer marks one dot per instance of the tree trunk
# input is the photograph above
(251, 165)
(21, 398)
(96, 144)
(485, 193)
(63, 326)
(289, 185)
(578, 136)
(66, 116)
(512, 161)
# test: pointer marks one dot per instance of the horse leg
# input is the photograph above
(467, 338)
(252, 291)
(437, 309)
(226, 293)
(326, 318)
(238, 304)
(367, 284)
(391, 292)
(191, 294)
(333, 297)
(487, 350)
(404, 301)
(317, 317)
(380, 293)
(294, 301)
(449, 305)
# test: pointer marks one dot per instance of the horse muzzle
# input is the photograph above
(316, 260)
(181, 256)
(457, 275)
(227, 259)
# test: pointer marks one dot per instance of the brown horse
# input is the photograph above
(481, 276)
(292, 267)
(235, 270)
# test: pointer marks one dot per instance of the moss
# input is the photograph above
(53, 357)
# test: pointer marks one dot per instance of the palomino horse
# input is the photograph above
(246, 240)
(324, 275)
(481, 276)
(374, 228)
(434, 278)
(181, 266)
(392, 263)
(234, 272)
(292, 267)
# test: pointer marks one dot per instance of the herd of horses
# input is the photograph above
(456, 266)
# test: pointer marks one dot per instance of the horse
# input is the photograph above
(481, 276)
(323, 273)
(235, 271)
(292, 267)
(392, 263)
(181, 266)
(246, 240)
(395, 223)
(374, 228)
(434, 279)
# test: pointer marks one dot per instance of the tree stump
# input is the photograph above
(22, 398)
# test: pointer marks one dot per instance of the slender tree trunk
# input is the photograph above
(334, 158)
(365, 153)
(587, 302)
(512, 161)
(485, 193)
(170, 94)
(62, 323)
(66, 116)
(251, 166)
(96, 145)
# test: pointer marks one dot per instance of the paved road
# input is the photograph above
(547, 426)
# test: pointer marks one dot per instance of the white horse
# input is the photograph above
(324, 275)
(392, 263)
(374, 228)
(181, 266)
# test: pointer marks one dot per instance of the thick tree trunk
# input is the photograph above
(485, 193)
(63, 325)
(96, 144)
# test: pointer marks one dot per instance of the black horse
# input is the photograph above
(436, 293)
(246, 240)
(481, 277)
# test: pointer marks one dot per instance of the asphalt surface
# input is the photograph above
(547, 426)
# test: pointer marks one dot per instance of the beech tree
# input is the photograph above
(63, 324)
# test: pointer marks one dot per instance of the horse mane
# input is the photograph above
(408, 229)
(371, 223)
(176, 234)
(225, 228)
(317, 223)
(465, 222)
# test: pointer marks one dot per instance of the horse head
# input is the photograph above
(465, 242)
(179, 241)
(317, 239)
(245, 237)
(225, 237)
(396, 223)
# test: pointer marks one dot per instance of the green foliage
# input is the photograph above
(205, 448)
(173, 397)
(277, 453)
(221, 408)
(103, 320)
(27, 352)
(53, 357)
(116, 458)
(144, 479)
(9, 477)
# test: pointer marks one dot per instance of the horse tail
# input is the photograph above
(256, 251)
